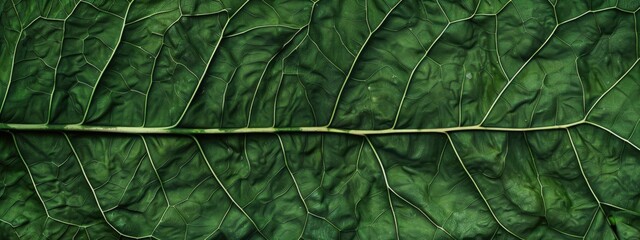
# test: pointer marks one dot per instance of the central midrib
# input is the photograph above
(245, 130)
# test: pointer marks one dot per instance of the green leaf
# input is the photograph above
(296, 119)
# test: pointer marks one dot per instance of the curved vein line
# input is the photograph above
(153, 69)
(406, 89)
(26, 166)
(225, 189)
(13, 60)
(427, 216)
(264, 71)
(611, 88)
(93, 193)
(586, 180)
(388, 187)
(206, 68)
(55, 69)
(509, 81)
(106, 65)
(355, 60)
(614, 134)
(478, 189)
(155, 171)
(295, 183)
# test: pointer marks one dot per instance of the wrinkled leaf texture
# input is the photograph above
(288, 119)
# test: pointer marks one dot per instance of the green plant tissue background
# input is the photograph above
(331, 119)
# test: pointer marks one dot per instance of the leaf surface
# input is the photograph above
(373, 119)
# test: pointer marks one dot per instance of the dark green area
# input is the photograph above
(298, 119)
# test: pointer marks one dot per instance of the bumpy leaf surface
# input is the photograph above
(300, 119)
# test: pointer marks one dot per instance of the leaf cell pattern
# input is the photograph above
(308, 119)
